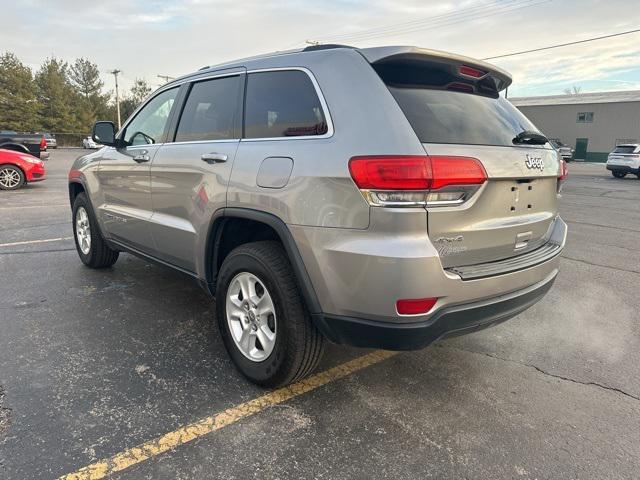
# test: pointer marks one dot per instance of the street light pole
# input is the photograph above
(115, 74)
(166, 78)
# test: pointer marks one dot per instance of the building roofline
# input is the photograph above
(623, 96)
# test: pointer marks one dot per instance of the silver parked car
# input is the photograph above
(565, 151)
(89, 143)
(379, 197)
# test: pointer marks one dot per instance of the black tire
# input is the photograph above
(298, 344)
(16, 173)
(100, 255)
(618, 174)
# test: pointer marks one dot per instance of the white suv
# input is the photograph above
(624, 159)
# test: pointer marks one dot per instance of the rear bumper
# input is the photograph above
(448, 322)
(623, 169)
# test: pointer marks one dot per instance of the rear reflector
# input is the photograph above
(415, 307)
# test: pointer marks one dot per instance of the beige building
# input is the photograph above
(592, 123)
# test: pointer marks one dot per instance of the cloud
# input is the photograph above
(145, 38)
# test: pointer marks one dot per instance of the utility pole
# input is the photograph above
(166, 78)
(115, 74)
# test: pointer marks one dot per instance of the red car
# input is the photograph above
(18, 169)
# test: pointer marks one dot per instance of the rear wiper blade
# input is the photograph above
(530, 137)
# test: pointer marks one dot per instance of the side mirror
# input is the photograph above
(104, 133)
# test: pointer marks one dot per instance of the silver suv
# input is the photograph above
(381, 197)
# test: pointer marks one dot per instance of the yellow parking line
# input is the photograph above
(171, 440)
(31, 242)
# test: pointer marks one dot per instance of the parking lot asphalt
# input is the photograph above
(93, 363)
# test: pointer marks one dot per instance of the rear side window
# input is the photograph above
(625, 149)
(440, 115)
(282, 104)
(211, 111)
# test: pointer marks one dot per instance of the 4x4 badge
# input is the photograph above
(534, 162)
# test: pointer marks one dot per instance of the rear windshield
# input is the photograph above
(440, 116)
(625, 149)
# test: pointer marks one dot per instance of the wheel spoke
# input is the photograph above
(266, 337)
(234, 311)
(265, 305)
(247, 340)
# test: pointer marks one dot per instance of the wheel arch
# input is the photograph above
(236, 226)
(75, 188)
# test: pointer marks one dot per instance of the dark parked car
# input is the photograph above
(31, 143)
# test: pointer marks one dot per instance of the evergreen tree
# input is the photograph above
(18, 99)
(57, 97)
(91, 103)
(139, 91)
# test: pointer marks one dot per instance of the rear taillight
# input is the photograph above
(564, 173)
(43, 144)
(405, 181)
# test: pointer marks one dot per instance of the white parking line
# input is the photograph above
(30, 242)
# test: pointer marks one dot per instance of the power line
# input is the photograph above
(479, 11)
(563, 44)
(413, 23)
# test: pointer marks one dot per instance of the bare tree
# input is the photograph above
(574, 90)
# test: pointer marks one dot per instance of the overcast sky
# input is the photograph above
(146, 38)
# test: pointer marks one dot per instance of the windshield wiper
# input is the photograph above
(530, 137)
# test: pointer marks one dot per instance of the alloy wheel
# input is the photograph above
(251, 316)
(9, 178)
(83, 230)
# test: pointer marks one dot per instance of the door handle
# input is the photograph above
(214, 157)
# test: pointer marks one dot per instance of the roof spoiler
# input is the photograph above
(457, 71)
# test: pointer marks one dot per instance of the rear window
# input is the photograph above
(282, 104)
(625, 149)
(440, 116)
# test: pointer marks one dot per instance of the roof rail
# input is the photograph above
(327, 46)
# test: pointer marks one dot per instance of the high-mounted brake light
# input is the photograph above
(400, 181)
(43, 144)
(471, 72)
(461, 87)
